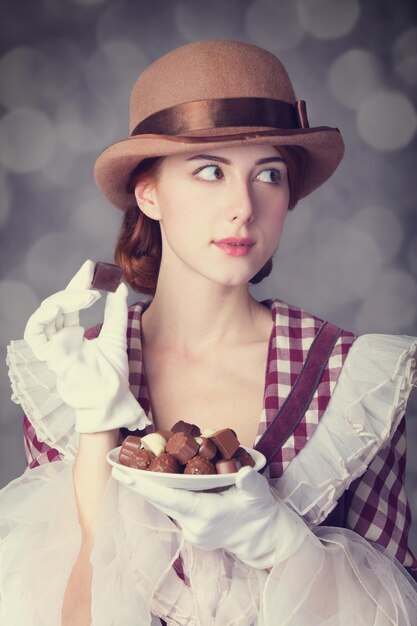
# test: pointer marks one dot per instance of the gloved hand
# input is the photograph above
(246, 519)
(92, 376)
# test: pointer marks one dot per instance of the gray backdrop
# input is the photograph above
(349, 252)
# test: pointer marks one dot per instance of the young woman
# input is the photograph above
(219, 152)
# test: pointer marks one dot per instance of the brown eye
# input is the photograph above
(211, 172)
(273, 176)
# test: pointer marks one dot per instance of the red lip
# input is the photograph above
(235, 246)
(240, 241)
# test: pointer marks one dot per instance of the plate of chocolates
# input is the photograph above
(186, 458)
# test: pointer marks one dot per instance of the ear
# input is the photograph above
(147, 199)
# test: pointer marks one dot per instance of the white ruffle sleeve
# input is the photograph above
(365, 409)
(335, 578)
(34, 388)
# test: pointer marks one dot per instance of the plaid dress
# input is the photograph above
(375, 505)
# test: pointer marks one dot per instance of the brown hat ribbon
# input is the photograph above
(223, 113)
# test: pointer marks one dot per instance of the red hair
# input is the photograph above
(139, 246)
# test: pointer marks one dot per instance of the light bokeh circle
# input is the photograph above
(404, 54)
(327, 19)
(24, 71)
(390, 303)
(113, 68)
(199, 19)
(94, 219)
(27, 140)
(274, 25)
(354, 76)
(387, 120)
(384, 226)
(51, 257)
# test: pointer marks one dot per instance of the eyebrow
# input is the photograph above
(211, 157)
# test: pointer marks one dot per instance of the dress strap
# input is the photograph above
(298, 400)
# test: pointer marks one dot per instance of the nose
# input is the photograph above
(242, 203)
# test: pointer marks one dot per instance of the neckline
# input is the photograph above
(143, 389)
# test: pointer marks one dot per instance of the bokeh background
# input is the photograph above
(349, 252)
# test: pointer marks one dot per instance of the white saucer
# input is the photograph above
(186, 481)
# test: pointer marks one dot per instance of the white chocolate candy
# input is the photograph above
(208, 432)
(154, 442)
(198, 440)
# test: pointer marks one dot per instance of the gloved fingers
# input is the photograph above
(173, 502)
(42, 325)
(72, 301)
(253, 487)
(77, 295)
(55, 325)
(114, 328)
(82, 280)
(64, 345)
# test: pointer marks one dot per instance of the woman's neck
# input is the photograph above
(203, 315)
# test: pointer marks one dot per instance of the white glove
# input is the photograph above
(92, 376)
(246, 520)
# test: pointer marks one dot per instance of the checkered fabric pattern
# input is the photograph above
(377, 506)
(37, 452)
(293, 332)
(377, 503)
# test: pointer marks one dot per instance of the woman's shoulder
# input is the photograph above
(296, 332)
(294, 317)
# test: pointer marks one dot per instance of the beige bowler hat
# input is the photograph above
(219, 93)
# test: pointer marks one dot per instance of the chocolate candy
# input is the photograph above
(165, 463)
(199, 465)
(182, 447)
(244, 457)
(141, 459)
(132, 455)
(166, 434)
(207, 448)
(226, 466)
(183, 450)
(185, 427)
(226, 442)
(106, 276)
(129, 446)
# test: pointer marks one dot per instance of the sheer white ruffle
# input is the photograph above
(334, 578)
(34, 388)
(40, 539)
(365, 409)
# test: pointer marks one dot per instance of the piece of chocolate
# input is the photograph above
(130, 444)
(166, 464)
(227, 466)
(199, 465)
(182, 447)
(244, 457)
(226, 442)
(141, 459)
(185, 427)
(207, 448)
(167, 434)
(107, 276)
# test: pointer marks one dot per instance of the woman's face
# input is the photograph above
(239, 194)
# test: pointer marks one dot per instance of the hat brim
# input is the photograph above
(114, 166)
